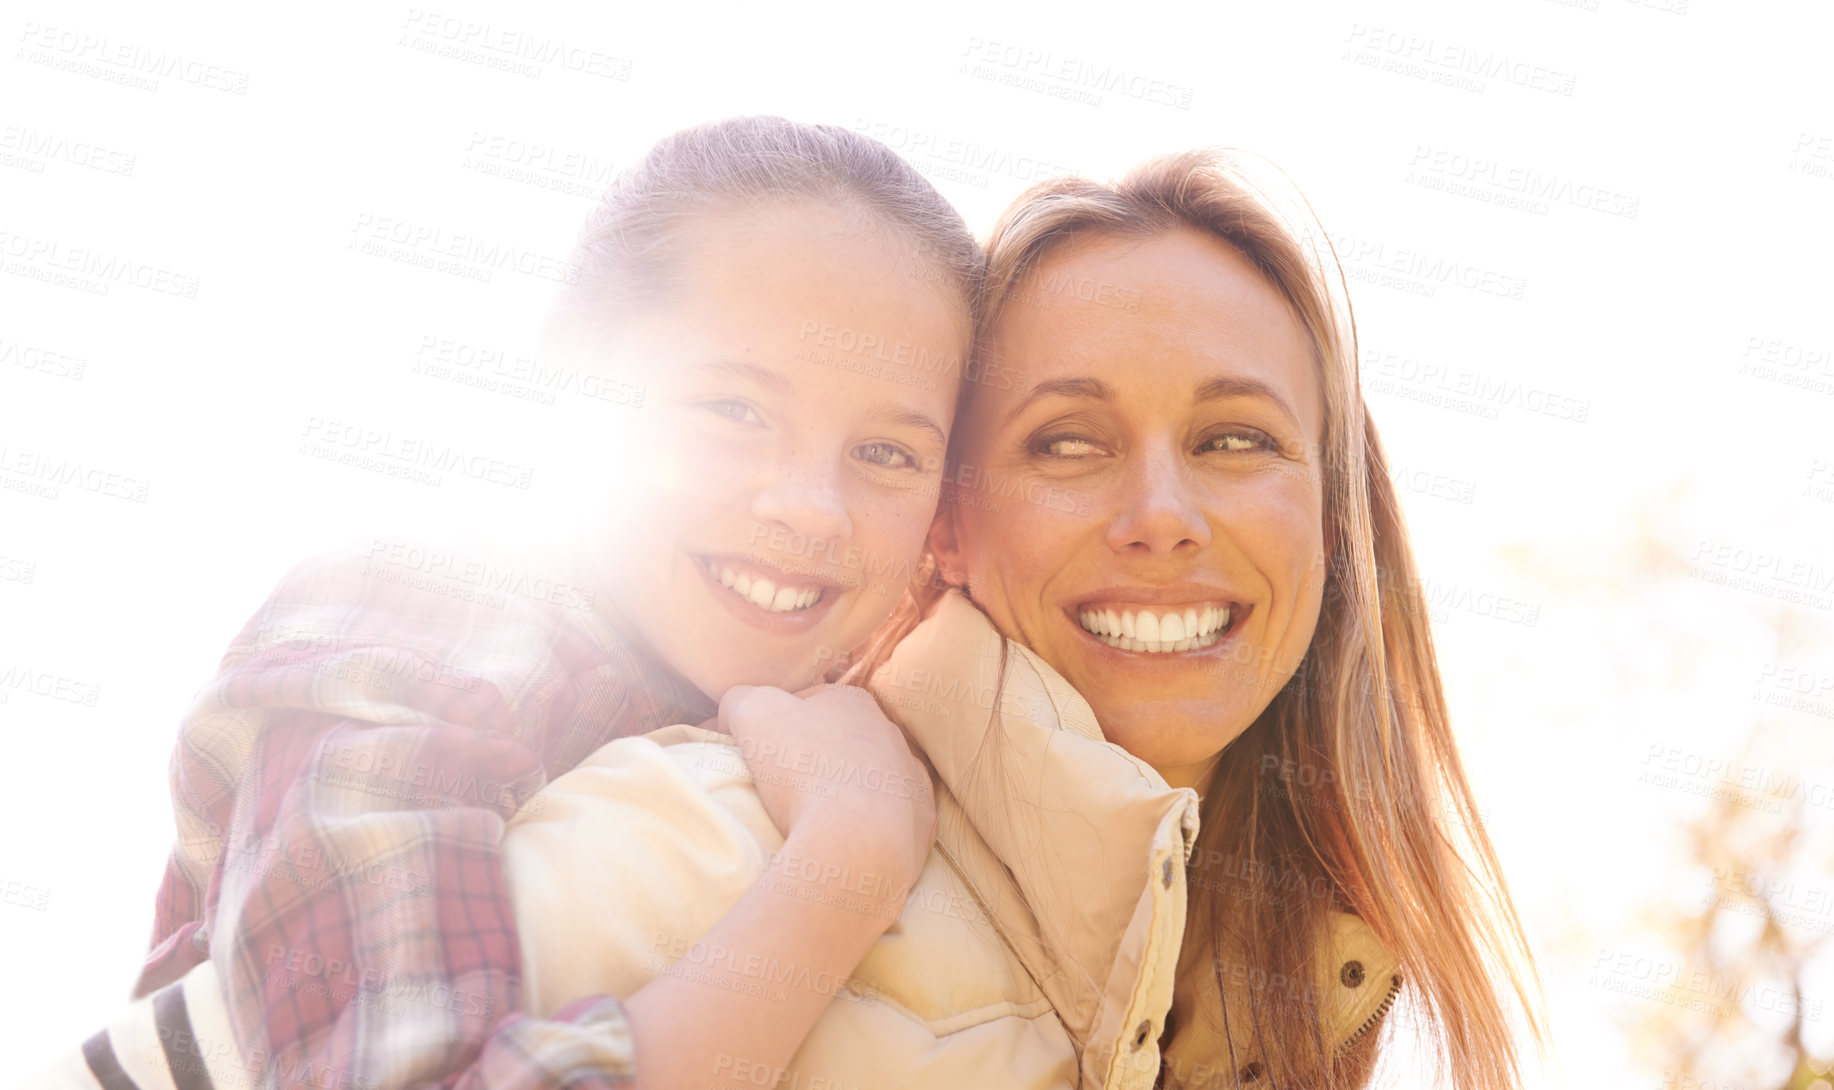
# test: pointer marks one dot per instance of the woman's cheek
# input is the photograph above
(1295, 549)
(1290, 512)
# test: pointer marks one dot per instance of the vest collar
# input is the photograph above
(1076, 848)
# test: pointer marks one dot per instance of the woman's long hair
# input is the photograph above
(1348, 787)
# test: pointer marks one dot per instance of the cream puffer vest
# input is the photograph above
(1037, 949)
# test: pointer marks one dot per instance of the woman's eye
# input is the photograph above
(1236, 441)
(732, 409)
(1065, 447)
(885, 456)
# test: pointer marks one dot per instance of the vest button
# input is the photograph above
(1352, 974)
(1142, 1034)
(1167, 870)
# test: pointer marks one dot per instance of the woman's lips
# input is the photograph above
(1159, 629)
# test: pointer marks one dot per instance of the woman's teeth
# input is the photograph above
(1190, 629)
(763, 593)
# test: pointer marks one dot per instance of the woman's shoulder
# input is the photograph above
(1356, 982)
(688, 781)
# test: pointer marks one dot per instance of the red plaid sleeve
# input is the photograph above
(341, 790)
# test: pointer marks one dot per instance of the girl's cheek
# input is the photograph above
(711, 466)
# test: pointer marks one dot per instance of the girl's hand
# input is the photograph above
(828, 761)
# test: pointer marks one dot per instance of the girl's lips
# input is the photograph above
(777, 607)
(767, 588)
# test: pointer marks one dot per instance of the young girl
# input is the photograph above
(795, 303)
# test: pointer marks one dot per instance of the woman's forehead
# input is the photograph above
(1175, 303)
(1128, 273)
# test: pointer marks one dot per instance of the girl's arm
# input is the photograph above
(858, 812)
(341, 848)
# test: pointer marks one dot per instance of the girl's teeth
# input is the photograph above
(763, 593)
(1190, 629)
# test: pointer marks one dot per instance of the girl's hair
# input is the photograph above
(1348, 788)
(627, 257)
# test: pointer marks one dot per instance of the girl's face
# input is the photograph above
(1150, 513)
(799, 389)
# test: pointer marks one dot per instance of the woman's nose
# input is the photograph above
(1160, 511)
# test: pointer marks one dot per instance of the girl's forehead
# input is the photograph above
(850, 293)
(812, 221)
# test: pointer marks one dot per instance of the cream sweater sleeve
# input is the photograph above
(618, 867)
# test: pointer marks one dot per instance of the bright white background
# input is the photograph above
(1637, 454)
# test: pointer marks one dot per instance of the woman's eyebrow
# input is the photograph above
(1091, 388)
(1222, 389)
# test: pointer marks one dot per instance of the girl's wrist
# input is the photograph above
(826, 860)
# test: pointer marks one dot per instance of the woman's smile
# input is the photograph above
(1171, 621)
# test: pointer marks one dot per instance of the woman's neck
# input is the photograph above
(1195, 776)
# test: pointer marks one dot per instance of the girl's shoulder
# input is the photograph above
(392, 630)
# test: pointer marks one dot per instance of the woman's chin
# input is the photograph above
(1171, 734)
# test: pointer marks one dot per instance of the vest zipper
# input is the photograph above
(1394, 990)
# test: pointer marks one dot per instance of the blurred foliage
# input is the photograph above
(1736, 1013)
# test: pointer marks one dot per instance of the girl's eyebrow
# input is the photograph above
(780, 384)
(899, 414)
(760, 376)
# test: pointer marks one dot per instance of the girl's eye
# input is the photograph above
(732, 409)
(1235, 442)
(885, 456)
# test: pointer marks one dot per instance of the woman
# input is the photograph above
(1185, 512)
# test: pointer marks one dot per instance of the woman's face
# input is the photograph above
(786, 464)
(1145, 510)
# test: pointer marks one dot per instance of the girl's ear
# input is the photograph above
(945, 546)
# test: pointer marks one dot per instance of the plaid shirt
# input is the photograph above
(341, 789)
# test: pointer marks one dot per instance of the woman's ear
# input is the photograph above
(945, 546)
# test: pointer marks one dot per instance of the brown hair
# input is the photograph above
(1381, 821)
(625, 256)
